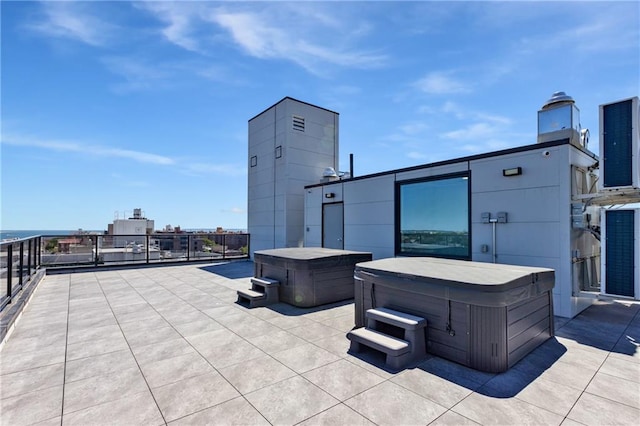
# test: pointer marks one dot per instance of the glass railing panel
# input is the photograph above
(67, 250)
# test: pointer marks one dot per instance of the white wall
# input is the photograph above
(276, 193)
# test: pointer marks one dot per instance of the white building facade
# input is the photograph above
(290, 145)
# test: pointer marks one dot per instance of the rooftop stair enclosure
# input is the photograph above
(263, 292)
(383, 325)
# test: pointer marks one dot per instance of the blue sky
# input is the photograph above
(108, 106)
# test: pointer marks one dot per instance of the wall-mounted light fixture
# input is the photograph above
(514, 171)
(329, 195)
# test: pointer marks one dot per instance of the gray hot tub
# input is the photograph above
(482, 315)
(310, 276)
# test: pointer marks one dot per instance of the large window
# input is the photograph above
(433, 217)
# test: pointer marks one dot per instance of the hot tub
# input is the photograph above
(310, 276)
(482, 315)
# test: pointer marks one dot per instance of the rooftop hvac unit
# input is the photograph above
(620, 252)
(619, 150)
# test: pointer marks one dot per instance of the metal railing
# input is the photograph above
(21, 258)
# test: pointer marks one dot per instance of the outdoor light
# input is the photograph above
(514, 171)
(329, 195)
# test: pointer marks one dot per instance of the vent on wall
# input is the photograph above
(298, 123)
(619, 150)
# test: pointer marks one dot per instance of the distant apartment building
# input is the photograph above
(131, 230)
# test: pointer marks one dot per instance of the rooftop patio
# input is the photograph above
(169, 344)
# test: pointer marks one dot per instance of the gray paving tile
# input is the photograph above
(16, 360)
(451, 418)
(162, 350)
(343, 323)
(290, 401)
(54, 421)
(337, 345)
(96, 347)
(184, 317)
(391, 404)
(276, 342)
(615, 388)
(304, 358)
(220, 312)
(314, 331)
(286, 322)
(488, 410)
(169, 370)
(151, 323)
(342, 379)
(198, 327)
(139, 408)
(235, 412)
(432, 387)
(142, 337)
(100, 389)
(248, 327)
(95, 333)
(594, 410)
(206, 341)
(256, 374)
(29, 344)
(31, 407)
(572, 375)
(231, 353)
(98, 365)
(555, 397)
(337, 415)
(25, 381)
(621, 368)
(189, 396)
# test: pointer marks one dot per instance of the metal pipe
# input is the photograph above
(493, 245)
(351, 165)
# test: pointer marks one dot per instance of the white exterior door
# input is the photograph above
(332, 226)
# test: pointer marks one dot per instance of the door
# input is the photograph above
(332, 226)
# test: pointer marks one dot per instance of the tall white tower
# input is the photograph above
(290, 145)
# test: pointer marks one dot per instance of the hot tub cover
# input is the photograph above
(478, 283)
(310, 257)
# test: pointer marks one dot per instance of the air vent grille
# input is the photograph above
(298, 123)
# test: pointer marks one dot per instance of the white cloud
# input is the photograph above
(179, 17)
(66, 19)
(261, 37)
(137, 73)
(87, 149)
(441, 83)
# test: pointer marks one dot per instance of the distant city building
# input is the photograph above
(130, 229)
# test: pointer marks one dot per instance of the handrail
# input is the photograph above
(22, 258)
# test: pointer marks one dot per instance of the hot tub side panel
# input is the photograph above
(313, 282)
(529, 324)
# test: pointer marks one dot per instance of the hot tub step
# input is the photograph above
(253, 298)
(398, 351)
(264, 282)
(411, 328)
(263, 292)
(395, 318)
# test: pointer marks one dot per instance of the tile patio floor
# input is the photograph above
(169, 345)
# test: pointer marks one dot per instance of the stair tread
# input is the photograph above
(265, 281)
(251, 294)
(379, 340)
(400, 319)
